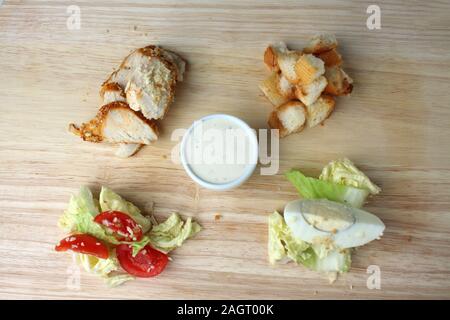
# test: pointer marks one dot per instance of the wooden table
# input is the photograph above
(395, 127)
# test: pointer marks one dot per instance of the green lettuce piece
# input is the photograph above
(275, 245)
(311, 188)
(345, 172)
(92, 264)
(168, 235)
(335, 261)
(117, 280)
(139, 245)
(321, 250)
(281, 242)
(104, 268)
(316, 257)
(109, 200)
(79, 217)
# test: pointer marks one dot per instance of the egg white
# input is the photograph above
(365, 228)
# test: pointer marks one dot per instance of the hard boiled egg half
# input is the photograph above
(333, 223)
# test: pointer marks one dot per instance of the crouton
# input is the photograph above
(288, 118)
(320, 110)
(321, 43)
(270, 89)
(286, 88)
(308, 68)
(308, 93)
(286, 62)
(339, 83)
(271, 55)
(330, 58)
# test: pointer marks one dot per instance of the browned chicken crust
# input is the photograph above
(96, 129)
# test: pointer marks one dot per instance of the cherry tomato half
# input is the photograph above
(84, 243)
(147, 263)
(123, 226)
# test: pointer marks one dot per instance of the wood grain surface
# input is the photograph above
(395, 127)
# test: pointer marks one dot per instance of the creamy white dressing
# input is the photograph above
(218, 150)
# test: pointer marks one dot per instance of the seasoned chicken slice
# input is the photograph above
(148, 77)
(113, 89)
(113, 92)
(117, 123)
(180, 64)
(125, 150)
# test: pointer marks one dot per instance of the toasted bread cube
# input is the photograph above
(286, 88)
(271, 55)
(330, 58)
(321, 43)
(270, 89)
(288, 118)
(308, 93)
(286, 62)
(320, 110)
(308, 68)
(339, 83)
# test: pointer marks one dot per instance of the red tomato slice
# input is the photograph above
(147, 263)
(124, 227)
(84, 243)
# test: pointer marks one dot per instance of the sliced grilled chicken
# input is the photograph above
(125, 150)
(117, 123)
(113, 92)
(180, 64)
(148, 77)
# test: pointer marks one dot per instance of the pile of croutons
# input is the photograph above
(303, 84)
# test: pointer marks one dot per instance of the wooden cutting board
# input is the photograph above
(395, 127)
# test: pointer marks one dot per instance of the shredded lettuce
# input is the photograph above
(311, 188)
(334, 261)
(168, 235)
(276, 248)
(79, 217)
(117, 280)
(340, 181)
(92, 264)
(109, 200)
(345, 172)
(105, 268)
(282, 244)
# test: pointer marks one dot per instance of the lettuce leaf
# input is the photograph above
(168, 235)
(105, 268)
(117, 280)
(276, 231)
(109, 200)
(281, 242)
(345, 172)
(79, 217)
(92, 264)
(311, 188)
(334, 261)
(316, 257)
